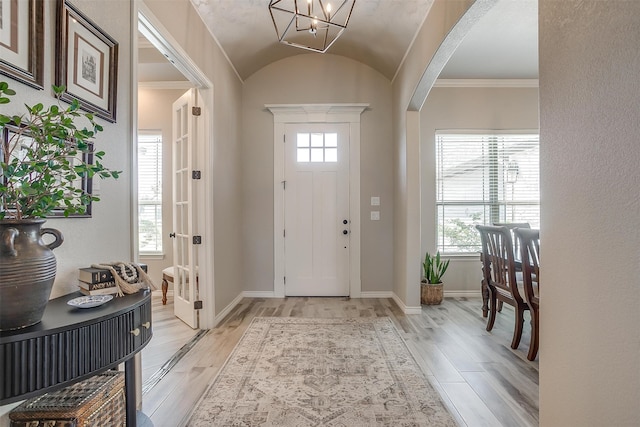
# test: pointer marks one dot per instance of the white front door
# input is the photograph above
(316, 209)
(185, 252)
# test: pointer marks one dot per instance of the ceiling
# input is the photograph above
(503, 45)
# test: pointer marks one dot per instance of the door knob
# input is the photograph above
(345, 222)
(172, 235)
(345, 232)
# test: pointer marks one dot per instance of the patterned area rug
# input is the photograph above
(321, 372)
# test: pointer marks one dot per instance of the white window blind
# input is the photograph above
(150, 192)
(483, 179)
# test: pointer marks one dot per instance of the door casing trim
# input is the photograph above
(161, 38)
(316, 113)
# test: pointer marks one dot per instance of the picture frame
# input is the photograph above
(22, 41)
(86, 62)
(9, 139)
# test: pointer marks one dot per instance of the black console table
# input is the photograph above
(72, 344)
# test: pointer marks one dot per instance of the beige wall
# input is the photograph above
(182, 21)
(107, 235)
(590, 152)
(309, 79)
(442, 16)
(85, 239)
(472, 109)
(154, 113)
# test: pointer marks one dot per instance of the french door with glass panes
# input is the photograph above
(185, 251)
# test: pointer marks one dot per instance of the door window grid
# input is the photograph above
(317, 147)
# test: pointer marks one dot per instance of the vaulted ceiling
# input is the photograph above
(503, 45)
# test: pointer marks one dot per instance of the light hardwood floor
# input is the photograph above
(169, 335)
(481, 380)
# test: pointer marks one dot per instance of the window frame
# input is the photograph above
(495, 208)
(148, 134)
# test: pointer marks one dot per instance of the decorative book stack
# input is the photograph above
(100, 281)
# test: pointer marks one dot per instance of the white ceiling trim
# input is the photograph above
(153, 30)
(312, 113)
(497, 83)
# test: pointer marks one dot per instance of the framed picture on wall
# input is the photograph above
(22, 41)
(86, 62)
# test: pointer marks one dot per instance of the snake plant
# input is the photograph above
(434, 268)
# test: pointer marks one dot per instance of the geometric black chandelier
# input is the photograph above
(310, 24)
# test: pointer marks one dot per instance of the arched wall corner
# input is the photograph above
(449, 45)
(411, 121)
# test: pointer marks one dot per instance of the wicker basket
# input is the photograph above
(431, 294)
(97, 401)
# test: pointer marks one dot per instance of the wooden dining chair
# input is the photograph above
(530, 255)
(512, 226)
(516, 247)
(499, 272)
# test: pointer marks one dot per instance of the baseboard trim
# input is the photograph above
(259, 294)
(227, 309)
(376, 294)
(405, 308)
(462, 294)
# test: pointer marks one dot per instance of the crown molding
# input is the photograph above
(486, 83)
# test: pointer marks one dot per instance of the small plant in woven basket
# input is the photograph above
(434, 268)
(44, 153)
(431, 287)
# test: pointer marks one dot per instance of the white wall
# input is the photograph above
(155, 113)
(474, 109)
(590, 152)
(183, 22)
(308, 79)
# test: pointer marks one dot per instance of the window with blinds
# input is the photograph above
(483, 179)
(150, 192)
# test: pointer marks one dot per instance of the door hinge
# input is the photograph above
(197, 305)
(284, 233)
(285, 280)
(196, 111)
(196, 174)
(284, 185)
(284, 138)
(197, 240)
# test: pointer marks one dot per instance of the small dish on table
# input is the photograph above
(90, 301)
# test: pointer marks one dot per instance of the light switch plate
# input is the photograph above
(375, 215)
(375, 201)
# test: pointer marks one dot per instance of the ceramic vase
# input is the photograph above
(27, 271)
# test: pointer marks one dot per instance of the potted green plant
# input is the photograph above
(43, 154)
(431, 287)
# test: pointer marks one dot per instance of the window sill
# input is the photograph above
(467, 256)
(152, 256)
